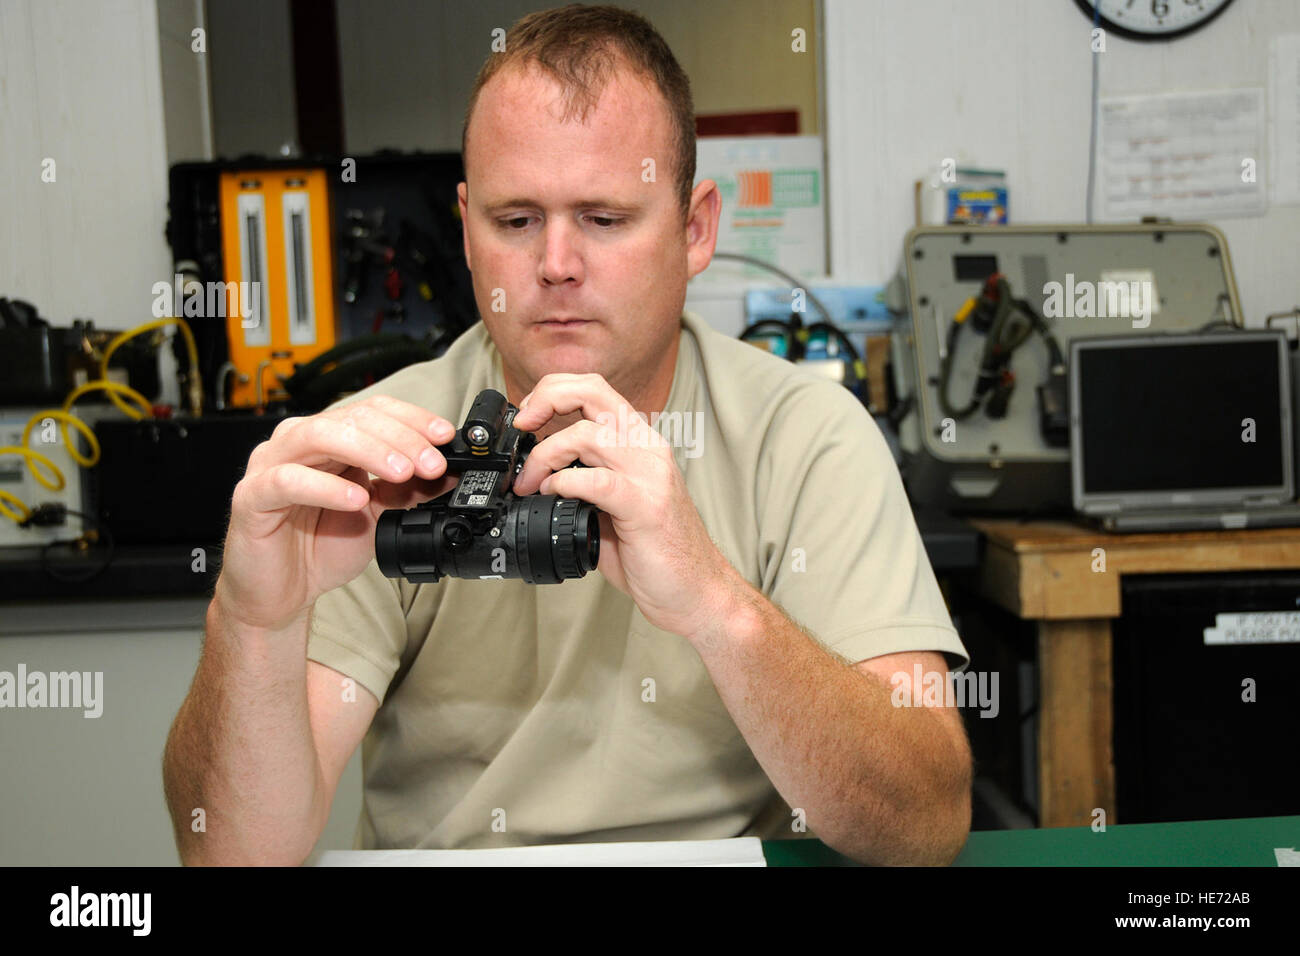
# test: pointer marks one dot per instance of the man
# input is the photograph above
(761, 591)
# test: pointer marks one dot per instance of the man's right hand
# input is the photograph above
(303, 517)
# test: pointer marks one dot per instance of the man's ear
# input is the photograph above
(462, 197)
(702, 226)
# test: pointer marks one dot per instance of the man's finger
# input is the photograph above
(429, 425)
(321, 440)
(608, 490)
(589, 442)
(559, 394)
(288, 484)
(396, 432)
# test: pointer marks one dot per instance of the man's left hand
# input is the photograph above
(654, 546)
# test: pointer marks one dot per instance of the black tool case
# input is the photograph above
(402, 200)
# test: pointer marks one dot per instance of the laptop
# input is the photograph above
(1180, 432)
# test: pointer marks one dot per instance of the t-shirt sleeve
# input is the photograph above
(843, 556)
(359, 629)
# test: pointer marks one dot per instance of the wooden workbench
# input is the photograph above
(1050, 572)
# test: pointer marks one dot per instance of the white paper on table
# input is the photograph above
(1182, 155)
(739, 851)
(1284, 104)
(1286, 856)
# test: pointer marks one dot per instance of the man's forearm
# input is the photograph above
(880, 783)
(241, 750)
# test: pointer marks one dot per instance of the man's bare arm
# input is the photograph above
(881, 784)
(261, 740)
(259, 746)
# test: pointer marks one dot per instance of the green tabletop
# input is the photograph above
(1248, 842)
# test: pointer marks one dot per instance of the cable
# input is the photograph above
(827, 324)
(796, 335)
(193, 380)
(64, 417)
(899, 410)
(219, 400)
(11, 506)
(1092, 135)
(53, 514)
(33, 459)
(12, 499)
(794, 283)
(1291, 314)
(1002, 337)
(67, 419)
(104, 385)
(88, 538)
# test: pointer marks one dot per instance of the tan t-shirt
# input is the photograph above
(518, 714)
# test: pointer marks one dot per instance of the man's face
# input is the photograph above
(579, 263)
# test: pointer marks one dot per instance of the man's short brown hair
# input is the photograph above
(580, 47)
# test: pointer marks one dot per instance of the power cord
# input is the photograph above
(1007, 323)
(794, 283)
(55, 514)
(1092, 135)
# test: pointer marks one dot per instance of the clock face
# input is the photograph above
(1154, 19)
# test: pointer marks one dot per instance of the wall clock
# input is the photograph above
(1154, 19)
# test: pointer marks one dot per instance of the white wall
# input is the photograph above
(80, 84)
(1006, 83)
